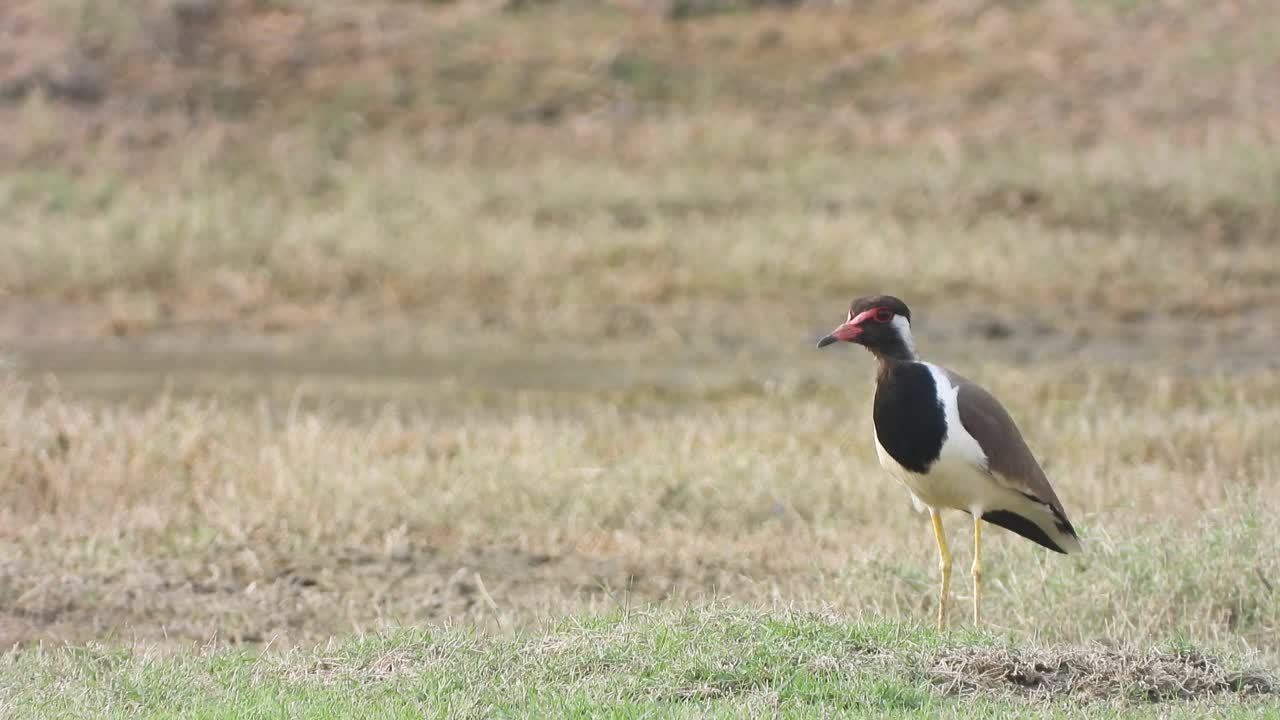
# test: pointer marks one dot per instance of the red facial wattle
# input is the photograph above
(877, 314)
(852, 328)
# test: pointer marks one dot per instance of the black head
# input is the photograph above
(880, 323)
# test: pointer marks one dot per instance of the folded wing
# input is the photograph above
(1011, 462)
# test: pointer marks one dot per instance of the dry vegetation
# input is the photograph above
(407, 157)
(328, 319)
(197, 518)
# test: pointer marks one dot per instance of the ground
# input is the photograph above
(323, 322)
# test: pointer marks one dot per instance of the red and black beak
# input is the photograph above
(847, 332)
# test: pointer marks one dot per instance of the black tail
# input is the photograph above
(1014, 522)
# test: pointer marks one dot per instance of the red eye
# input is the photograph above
(883, 315)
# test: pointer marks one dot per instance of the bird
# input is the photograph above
(951, 443)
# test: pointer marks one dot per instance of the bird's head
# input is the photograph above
(880, 323)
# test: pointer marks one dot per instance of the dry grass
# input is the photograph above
(367, 173)
(883, 72)
(1150, 232)
(195, 518)
(1094, 674)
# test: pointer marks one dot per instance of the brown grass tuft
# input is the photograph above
(1091, 674)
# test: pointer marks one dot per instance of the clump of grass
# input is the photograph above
(1091, 674)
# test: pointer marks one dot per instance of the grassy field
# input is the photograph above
(280, 516)
(414, 357)
(712, 662)
(268, 520)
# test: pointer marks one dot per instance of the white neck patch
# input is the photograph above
(903, 326)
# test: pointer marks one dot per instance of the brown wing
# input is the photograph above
(1007, 453)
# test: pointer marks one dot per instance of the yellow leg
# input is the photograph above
(944, 563)
(977, 570)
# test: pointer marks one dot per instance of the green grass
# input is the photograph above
(709, 662)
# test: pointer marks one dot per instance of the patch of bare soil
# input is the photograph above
(77, 343)
(1091, 674)
(243, 594)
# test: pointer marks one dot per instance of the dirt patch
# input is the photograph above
(242, 594)
(72, 343)
(1091, 674)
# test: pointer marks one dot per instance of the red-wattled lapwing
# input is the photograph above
(951, 443)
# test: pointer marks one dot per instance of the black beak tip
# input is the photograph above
(826, 341)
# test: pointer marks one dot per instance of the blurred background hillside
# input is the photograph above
(639, 170)
(317, 316)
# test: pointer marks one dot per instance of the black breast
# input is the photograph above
(910, 422)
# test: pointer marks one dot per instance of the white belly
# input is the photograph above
(949, 483)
